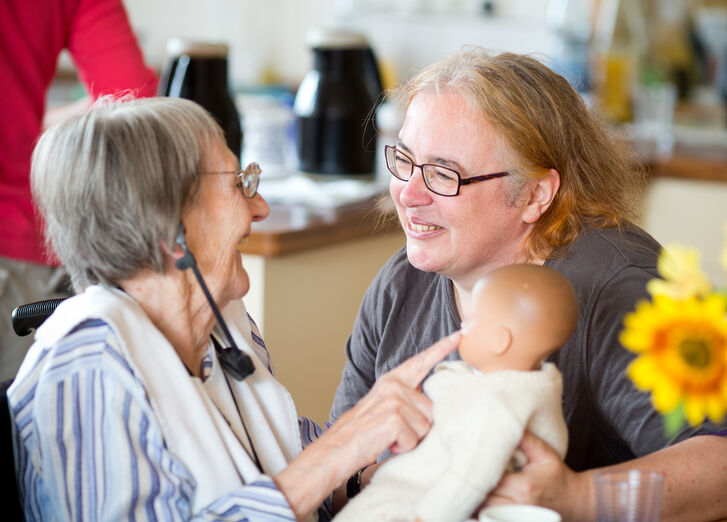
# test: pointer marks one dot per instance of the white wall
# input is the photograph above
(269, 35)
(261, 33)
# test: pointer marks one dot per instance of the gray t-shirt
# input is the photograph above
(406, 310)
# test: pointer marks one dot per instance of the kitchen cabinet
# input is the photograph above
(685, 202)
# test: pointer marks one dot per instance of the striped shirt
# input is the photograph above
(89, 447)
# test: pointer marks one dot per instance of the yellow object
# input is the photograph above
(682, 274)
(682, 354)
(619, 71)
(619, 44)
(389, 75)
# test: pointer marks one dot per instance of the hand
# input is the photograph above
(544, 481)
(394, 413)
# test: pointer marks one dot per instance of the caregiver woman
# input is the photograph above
(122, 408)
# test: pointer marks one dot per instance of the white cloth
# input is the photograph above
(192, 425)
(479, 419)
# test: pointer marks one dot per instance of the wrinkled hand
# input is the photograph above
(545, 481)
(394, 414)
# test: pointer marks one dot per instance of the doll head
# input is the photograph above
(520, 314)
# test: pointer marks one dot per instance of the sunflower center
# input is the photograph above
(695, 353)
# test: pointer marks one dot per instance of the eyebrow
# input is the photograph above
(444, 162)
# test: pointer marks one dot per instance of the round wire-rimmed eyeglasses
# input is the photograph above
(247, 180)
(438, 179)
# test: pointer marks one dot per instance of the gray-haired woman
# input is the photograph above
(135, 401)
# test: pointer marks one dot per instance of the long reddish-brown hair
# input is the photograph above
(545, 125)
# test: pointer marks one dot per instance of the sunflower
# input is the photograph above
(682, 354)
(681, 272)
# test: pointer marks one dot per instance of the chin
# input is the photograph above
(237, 285)
(422, 259)
(242, 286)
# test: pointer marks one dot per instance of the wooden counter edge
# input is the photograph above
(356, 226)
(689, 167)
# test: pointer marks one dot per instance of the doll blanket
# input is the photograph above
(479, 420)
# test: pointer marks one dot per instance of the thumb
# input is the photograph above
(535, 448)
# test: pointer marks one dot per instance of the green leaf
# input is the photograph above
(674, 420)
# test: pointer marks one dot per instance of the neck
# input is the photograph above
(178, 309)
(463, 286)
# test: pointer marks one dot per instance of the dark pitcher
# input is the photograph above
(198, 71)
(334, 106)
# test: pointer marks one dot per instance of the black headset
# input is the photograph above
(233, 360)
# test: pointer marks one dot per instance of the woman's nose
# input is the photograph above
(415, 192)
(259, 208)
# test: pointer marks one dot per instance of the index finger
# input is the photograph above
(412, 371)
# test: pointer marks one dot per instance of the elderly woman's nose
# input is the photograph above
(415, 191)
(259, 208)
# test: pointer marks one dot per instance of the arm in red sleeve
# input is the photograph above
(106, 52)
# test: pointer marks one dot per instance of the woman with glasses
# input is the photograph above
(150, 394)
(499, 161)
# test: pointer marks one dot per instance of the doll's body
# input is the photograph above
(483, 404)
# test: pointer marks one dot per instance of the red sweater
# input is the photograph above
(32, 34)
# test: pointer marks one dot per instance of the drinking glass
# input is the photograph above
(628, 495)
(653, 117)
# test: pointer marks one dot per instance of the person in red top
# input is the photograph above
(109, 61)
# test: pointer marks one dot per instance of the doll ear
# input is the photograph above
(502, 340)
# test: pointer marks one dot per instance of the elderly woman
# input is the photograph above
(499, 161)
(135, 401)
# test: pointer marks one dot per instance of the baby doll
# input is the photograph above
(483, 404)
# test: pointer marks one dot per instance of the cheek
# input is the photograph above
(395, 189)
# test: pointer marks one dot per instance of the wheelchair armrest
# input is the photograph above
(30, 316)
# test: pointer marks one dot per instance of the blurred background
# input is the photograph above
(655, 69)
(676, 40)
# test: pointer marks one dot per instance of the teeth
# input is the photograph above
(422, 228)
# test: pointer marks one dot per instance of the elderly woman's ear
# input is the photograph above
(541, 196)
(171, 256)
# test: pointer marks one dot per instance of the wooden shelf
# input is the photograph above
(703, 163)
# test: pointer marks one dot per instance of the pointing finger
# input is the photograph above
(412, 371)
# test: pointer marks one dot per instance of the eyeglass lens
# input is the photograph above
(250, 179)
(438, 179)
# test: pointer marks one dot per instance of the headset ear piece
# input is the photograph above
(181, 239)
(187, 260)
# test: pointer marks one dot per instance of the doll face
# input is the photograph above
(483, 332)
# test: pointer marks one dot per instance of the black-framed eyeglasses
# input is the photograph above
(247, 180)
(440, 180)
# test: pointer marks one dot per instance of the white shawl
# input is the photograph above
(192, 425)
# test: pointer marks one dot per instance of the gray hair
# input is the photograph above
(112, 183)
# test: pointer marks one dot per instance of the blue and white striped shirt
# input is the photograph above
(88, 445)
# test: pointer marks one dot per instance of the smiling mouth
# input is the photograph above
(416, 227)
